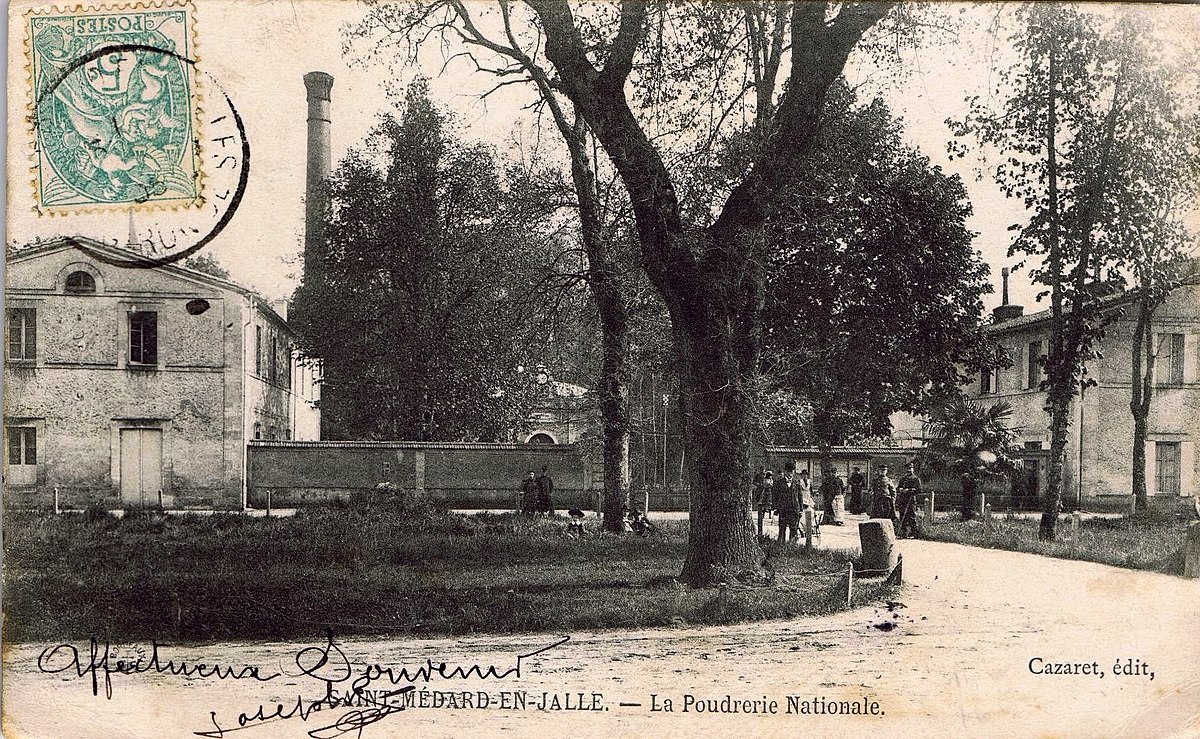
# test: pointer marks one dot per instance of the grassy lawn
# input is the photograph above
(380, 570)
(1144, 542)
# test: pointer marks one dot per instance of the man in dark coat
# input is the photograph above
(787, 502)
(764, 490)
(907, 492)
(529, 493)
(858, 486)
(545, 493)
(833, 496)
(883, 495)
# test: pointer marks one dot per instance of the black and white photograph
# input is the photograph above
(379, 368)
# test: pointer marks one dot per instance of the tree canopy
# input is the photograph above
(421, 308)
(874, 291)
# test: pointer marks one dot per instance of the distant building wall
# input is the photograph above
(462, 475)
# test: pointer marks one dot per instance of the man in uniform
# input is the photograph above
(907, 492)
(787, 502)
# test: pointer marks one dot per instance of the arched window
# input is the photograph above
(540, 438)
(258, 431)
(81, 282)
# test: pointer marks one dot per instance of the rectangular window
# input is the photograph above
(258, 350)
(22, 334)
(985, 381)
(272, 361)
(143, 337)
(1167, 467)
(1033, 367)
(22, 445)
(1168, 366)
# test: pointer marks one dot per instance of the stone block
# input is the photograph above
(877, 538)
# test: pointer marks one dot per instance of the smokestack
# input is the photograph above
(1006, 311)
(318, 85)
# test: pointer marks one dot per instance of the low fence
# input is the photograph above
(291, 474)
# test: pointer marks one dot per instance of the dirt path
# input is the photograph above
(957, 664)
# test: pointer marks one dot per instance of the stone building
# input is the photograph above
(134, 386)
(1099, 464)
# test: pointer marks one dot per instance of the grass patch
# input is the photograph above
(1150, 541)
(382, 570)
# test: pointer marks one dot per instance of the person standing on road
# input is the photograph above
(908, 491)
(545, 492)
(805, 492)
(763, 494)
(833, 496)
(883, 495)
(787, 502)
(858, 487)
(529, 493)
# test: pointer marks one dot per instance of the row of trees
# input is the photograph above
(798, 252)
(1095, 131)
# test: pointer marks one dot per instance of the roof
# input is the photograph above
(135, 260)
(1115, 300)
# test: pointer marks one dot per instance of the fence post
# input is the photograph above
(268, 502)
(56, 508)
(808, 528)
(850, 585)
(929, 507)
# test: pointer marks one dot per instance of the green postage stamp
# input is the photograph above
(114, 107)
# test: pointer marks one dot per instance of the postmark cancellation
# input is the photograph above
(113, 107)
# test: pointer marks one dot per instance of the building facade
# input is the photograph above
(141, 386)
(1099, 455)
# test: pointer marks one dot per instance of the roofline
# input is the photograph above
(1109, 302)
(76, 242)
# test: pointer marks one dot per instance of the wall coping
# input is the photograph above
(426, 445)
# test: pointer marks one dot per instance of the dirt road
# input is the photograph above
(976, 631)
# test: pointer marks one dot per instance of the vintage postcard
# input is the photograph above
(498, 367)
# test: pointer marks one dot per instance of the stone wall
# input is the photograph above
(461, 475)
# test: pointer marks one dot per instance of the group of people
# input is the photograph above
(788, 494)
(537, 494)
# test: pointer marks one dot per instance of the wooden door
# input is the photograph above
(141, 466)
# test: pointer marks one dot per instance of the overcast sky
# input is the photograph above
(259, 51)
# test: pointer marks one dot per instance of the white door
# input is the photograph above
(141, 466)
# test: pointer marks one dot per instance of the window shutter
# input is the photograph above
(1187, 469)
(1191, 358)
(1020, 366)
(1151, 468)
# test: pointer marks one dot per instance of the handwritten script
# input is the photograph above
(372, 691)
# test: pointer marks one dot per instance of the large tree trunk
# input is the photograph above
(718, 357)
(711, 280)
(613, 395)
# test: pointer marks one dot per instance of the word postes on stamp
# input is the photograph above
(114, 110)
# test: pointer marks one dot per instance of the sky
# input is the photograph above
(258, 52)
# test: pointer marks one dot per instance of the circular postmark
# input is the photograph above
(141, 147)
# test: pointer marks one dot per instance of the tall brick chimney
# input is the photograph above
(318, 85)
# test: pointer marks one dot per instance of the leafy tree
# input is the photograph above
(1060, 128)
(709, 267)
(421, 306)
(593, 203)
(207, 264)
(971, 440)
(1153, 182)
(874, 293)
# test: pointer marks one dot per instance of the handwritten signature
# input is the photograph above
(373, 690)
